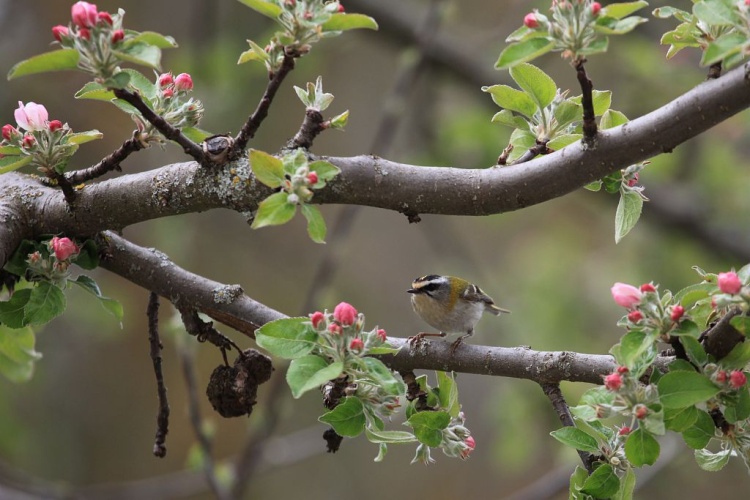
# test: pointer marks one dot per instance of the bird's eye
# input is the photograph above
(429, 287)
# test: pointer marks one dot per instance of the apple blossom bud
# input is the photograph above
(613, 382)
(28, 141)
(622, 370)
(31, 116)
(63, 248)
(165, 79)
(729, 283)
(55, 125)
(640, 412)
(60, 32)
(9, 131)
(183, 82)
(117, 35)
(624, 431)
(470, 445)
(596, 7)
(737, 379)
(84, 33)
(633, 180)
(721, 376)
(167, 93)
(626, 296)
(341, 8)
(530, 21)
(334, 329)
(307, 15)
(381, 335)
(647, 287)
(635, 316)
(83, 14)
(356, 345)
(105, 17)
(317, 318)
(345, 314)
(312, 178)
(677, 312)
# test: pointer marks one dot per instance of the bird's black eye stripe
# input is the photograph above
(429, 287)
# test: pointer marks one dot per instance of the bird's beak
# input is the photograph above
(412, 290)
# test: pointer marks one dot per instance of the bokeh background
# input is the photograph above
(84, 424)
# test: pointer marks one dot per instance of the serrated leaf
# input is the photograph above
(310, 372)
(88, 258)
(254, 53)
(267, 168)
(141, 53)
(195, 134)
(345, 22)
(507, 118)
(535, 83)
(712, 462)
(682, 388)
(11, 163)
(512, 99)
(274, 211)
(17, 354)
(347, 419)
(693, 293)
(680, 419)
(563, 140)
(12, 311)
(114, 307)
(576, 438)
(96, 91)
(316, 225)
(428, 426)
(694, 350)
(566, 113)
(701, 432)
(627, 486)
(724, 47)
(45, 303)
(611, 119)
(641, 448)
(524, 51)
(287, 338)
(602, 483)
(628, 212)
(264, 7)
(738, 357)
(139, 82)
(57, 60)
(610, 26)
(380, 373)
(448, 393)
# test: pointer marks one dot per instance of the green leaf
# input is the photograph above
(725, 46)
(594, 186)
(287, 338)
(316, 225)
(84, 137)
(622, 9)
(448, 393)
(143, 85)
(274, 211)
(383, 376)
(740, 410)
(686, 328)
(264, 7)
(57, 60)
(17, 263)
(195, 134)
(563, 140)
(141, 53)
(634, 345)
(347, 419)
(609, 26)
(254, 53)
(627, 486)
(680, 389)
(17, 354)
(310, 372)
(96, 91)
(12, 310)
(641, 448)
(576, 438)
(602, 483)
(699, 434)
(524, 51)
(428, 426)
(512, 99)
(535, 82)
(344, 22)
(737, 358)
(741, 323)
(11, 163)
(611, 119)
(694, 350)
(45, 302)
(577, 479)
(507, 118)
(693, 293)
(628, 212)
(119, 80)
(394, 437)
(267, 168)
(110, 305)
(716, 13)
(680, 419)
(566, 113)
(325, 170)
(712, 462)
(88, 258)
(152, 38)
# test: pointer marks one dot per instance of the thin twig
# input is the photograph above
(587, 101)
(205, 331)
(261, 111)
(311, 127)
(530, 154)
(108, 164)
(167, 130)
(67, 188)
(162, 418)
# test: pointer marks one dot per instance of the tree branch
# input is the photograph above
(109, 163)
(162, 419)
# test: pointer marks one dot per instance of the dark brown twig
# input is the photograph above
(67, 188)
(311, 127)
(587, 102)
(261, 111)
(205, 331)
(108, 164)
(530, 154)
(167, 130)
(553, 392)
(162, 418)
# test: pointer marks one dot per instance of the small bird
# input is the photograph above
(450, 304)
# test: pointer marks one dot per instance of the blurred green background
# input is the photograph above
(86, 420)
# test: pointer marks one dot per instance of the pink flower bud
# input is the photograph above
(730, 283)
(63, 248)
(84, 33)
(647, 287)
(31, 116)
(737, 379)
(307, 15)
(28, 141)
(635, 316)
(167, 93)
(83, 14)
(530, 21)
(345, 314)
(317, 318)
(613, 382)
(356, 345)
(622, 370)
(105, 17)
(312, 178)
(381, 335)
(183, 82)
(334, 329)
(165, 79)
(341, 8)
(470, 445)
(677, 312)
(60, 32)
(626, 296)
(9, 131)
(721, 376)
(624, 431)
(633, 180)
(55, 125)
(640, 412)
(117, 35)
(596, 7)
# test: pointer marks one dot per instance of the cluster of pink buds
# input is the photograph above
(87, 19)
(645, 309)
(733, 380)
(54, 264)
(343, 330)
(169, 85)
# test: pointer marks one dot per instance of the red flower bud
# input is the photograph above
(647, 287)
(737, 379)
(183, 82)
(613, 382)
(622, 370)
(721, 376)
(640, 412)
(635, 316)
(167, 93)
(341, 8)
(63, 248)
(470, 445)
(729, 283)
(307, 15)
(677, 312)
(165, 79)
(83, 14)
(334, 329)
(84, 33)
(633, 180)
(117, 35)
(312, 178)
(624, 431)
(104, 16)
(60, 32)
(316, 318)
(345, 314)
(530, 21)
(381, 335)
(626, 296)
(356, 345)
(55, 125)
(9, 131)
(28, 141)
(596, 7)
